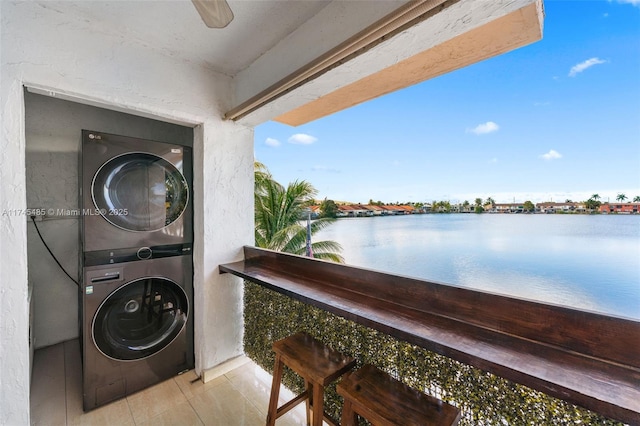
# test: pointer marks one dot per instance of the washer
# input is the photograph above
(135, 193)
(137, 326)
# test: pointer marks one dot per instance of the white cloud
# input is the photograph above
(272, 142)
(551, 155)
(578, 68)
(484, 128)
(631, 2)
(302, 139)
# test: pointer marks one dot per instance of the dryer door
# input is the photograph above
(139, 192)
(140, 318)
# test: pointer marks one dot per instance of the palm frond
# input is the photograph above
(278, 211)
(333, 257)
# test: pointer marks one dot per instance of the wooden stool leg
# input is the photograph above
(349, 417)
(318, 404)
(275, 392)
(309, 388)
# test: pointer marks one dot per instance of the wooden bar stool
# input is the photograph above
(317, 364)
(384, 401)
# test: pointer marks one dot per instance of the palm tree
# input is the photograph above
(636, 199)
(261, 175)
(278, 214)
(621, 197)
(490, 201)
(593, 203)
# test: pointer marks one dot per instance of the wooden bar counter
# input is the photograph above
(585, 358)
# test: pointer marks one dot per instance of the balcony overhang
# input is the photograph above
(450, 35)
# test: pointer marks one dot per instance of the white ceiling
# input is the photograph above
(270, 39)
(175, 28)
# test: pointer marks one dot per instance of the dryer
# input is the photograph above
(135, 193)
(137, 326)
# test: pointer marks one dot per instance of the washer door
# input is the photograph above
(139, 192)
(140, 318)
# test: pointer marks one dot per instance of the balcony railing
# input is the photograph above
(499, 359)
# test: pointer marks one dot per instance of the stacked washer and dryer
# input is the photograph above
(136, 299)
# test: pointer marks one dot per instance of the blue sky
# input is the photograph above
(553, 120)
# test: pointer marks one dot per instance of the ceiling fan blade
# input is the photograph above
(214, 13)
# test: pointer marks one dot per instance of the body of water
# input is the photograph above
(587, 262)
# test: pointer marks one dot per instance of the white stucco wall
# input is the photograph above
(43, 48)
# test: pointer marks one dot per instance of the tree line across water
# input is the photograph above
(328, 208)
(280, 210)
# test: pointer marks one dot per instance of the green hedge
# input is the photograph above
(485, 399)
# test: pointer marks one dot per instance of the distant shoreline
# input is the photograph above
(373, 210)
(500, 213)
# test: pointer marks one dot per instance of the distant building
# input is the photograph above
(505, 208)
(353, 210)
(469, 208)
(405, 209)
(624, 208)
(390, 210)
(315, 212)
(359, 210)
(376, 210)
(566, 207)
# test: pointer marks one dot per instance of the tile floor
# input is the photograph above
(239, 397)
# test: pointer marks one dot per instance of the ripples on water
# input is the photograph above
(587, 262)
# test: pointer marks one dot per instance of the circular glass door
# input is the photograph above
(139, 192)
(140, 318)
